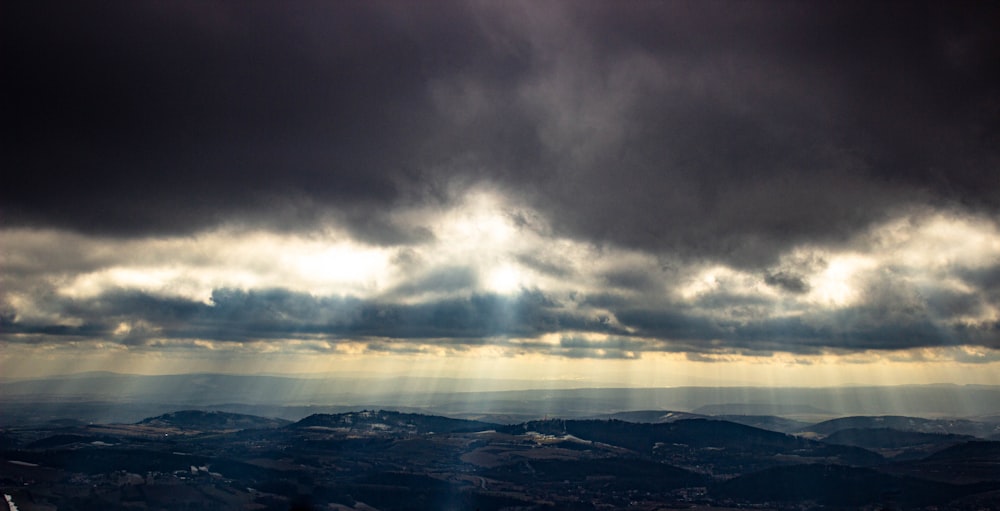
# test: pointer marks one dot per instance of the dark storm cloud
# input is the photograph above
(608, 354)
(612, 348)
(787, 281)
(236, 315)
(529, 314)
(546, 264)
(722, 130)
(631, 279)
(892, 322)
(692, 133)
(440, 280)
(986, 279)
(891, 313)
(772, 126)
(852, 329)
(142, 118)
(953, 303)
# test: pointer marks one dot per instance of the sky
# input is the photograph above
(612, 193)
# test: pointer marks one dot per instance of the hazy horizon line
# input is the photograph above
(584, 384)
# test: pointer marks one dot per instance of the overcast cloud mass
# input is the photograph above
(577, 179)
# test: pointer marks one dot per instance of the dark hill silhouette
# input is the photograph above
(706, 436)
(902, 423)
(888, 438)
(768, 422)
(211, 421)
(393, 421)
(654, 416)
(975, 450)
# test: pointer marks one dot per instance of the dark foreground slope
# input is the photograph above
(841, 486)
(975, 461)
(393, 461)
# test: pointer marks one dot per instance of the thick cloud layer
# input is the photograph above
(673, 176)
(927, 283)
(135, 318)
(725, 130)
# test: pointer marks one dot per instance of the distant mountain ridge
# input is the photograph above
(654, 416)
(768, 422)
(760, 409)
(903, 423)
